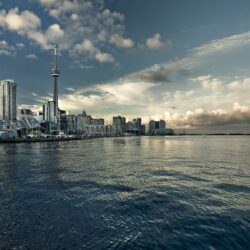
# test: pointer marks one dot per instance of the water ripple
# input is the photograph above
(126, 193)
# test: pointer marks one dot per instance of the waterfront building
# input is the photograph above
(68, 124)
(71, 124)
(99, 121)
(129, 127)
(16, 125)
(26, 116)
(38, 116)
(8, 107)
(49, 127)
(137, 128)
(159, 128)
(137, 124)
(82, 120)
(120, 124)
(143, 129)
(99, 130)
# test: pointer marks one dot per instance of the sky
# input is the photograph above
(186, 62)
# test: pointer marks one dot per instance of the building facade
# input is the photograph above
(157, 127)
(49, 112)
(8, 107)
(120, 124)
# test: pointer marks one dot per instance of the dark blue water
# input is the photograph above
(126, 193)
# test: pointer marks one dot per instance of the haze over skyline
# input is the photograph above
(186, 62)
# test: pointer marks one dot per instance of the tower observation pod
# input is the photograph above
(55, 74)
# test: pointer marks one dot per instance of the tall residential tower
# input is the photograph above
(55, 74)
(7, 100)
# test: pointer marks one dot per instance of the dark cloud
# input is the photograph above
(212, 119)
(155, 76)
(164, 73)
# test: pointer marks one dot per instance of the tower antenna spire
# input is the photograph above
(55, 74)
(55, 54)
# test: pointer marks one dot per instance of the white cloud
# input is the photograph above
(5, 53)
(77, 23)
(107, 95)
(53, 32)
(121, 42)
(3, 44)
(87, 27)
(155, 42)
(20, 45)
(25, 23)
(34, 108)
(104, 57)
(86, 46)
(32, 56)
(6, 49)
(58, 8)
(221, 45)
(19, 21)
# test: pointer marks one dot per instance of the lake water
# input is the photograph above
(126, 193)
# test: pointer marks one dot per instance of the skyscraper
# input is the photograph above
(120, 124)
(55, 74)
(7, 100)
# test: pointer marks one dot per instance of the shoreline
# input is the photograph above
(33, 140)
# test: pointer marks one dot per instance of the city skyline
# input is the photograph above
(118, 61)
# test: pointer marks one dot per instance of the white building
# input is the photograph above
(7, 100)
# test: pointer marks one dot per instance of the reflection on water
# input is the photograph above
(129, 193)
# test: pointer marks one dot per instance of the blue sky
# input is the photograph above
(183, 61)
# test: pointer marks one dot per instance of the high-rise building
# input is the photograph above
(49, 112)
(137, 125)
(7, 100)
(55, 74)
(157, 127)
(97, 121)
(120, 124)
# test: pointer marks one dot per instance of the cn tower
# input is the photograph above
(55, 74)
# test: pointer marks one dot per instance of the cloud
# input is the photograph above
(32, 56)
(221, 45)
(88, 48)
(20, 45)
(19, 21)
(89, 28)
(3, 44)
(104, 57)
(53, 32)
(25, 23)
(6, 49)
(155, 42)
(183, 67)
(124, 92)
(121, 42)
(104, 97)
(34, 108)
(76, 23)
(154, 75)
(58, 8)
(70, 89)
(200, 118)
